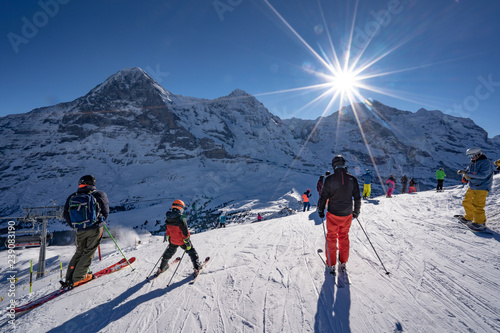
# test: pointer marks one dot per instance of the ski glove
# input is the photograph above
(321, 214)
(355, 215)
(188, 244)
(461, 172)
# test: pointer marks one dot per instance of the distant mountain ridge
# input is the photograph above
(144, 143)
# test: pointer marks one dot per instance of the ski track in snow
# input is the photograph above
(267, 277)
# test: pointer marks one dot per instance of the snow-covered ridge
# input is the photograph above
(144, 143)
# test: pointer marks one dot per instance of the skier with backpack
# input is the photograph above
(177, 234)
(86, 210)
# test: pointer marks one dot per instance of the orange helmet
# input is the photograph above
(179, 205)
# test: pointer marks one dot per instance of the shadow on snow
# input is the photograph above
(96, 319)
(334, 304)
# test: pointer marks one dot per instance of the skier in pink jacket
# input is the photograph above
(391, 182)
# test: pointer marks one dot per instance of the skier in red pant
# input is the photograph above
(339, 190)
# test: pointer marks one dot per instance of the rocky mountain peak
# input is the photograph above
(130, 85)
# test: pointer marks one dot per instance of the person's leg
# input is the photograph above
(80, 245)
(344, 226)
(478, 203)
(467, 204)
(169, 253)
(194, 257)
(92, 241)
(331, 239)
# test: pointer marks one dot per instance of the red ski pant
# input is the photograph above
(337, 229)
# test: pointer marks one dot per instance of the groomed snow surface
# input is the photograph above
(267, 277)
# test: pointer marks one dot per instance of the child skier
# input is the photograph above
(177, 234)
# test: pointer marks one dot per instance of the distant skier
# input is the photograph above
(464, 181)
(440, 179)
(497, 164)
(367, 186)
(222, 220)
(319, 185)
(391, 183)
(86, 210)
(259, 217)
(404, 182)
(413, 186)
(479, 172)
(177, 234)
(305, 199)
(339, 190)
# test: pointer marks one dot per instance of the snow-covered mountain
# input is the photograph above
(147, 146)
(267, 277)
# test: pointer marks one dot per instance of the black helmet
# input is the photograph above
(87, 180)
(338, 162)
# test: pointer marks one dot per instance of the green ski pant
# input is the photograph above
(87, 242)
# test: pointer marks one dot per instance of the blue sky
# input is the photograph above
(433, 54)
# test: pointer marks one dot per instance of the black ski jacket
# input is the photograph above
(339, 189)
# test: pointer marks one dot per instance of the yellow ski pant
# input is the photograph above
(474, 202)
(367, 190)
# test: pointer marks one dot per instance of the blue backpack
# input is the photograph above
(83, 210)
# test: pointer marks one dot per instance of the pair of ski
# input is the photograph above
(176, 261)
(466, 223)
(341, 278)
(44, 299)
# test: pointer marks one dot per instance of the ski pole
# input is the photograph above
(168, 284)
(155, 265)
(386, 272)
(327, 248)
(118, 248)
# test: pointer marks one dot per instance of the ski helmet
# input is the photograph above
(179, 205)
(338, 162)
(87, 180)
(473, 152)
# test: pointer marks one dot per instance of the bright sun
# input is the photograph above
(344, 82)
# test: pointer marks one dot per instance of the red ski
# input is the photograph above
(44, 299)
(197, 273)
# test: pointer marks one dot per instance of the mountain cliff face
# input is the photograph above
(147, 146)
